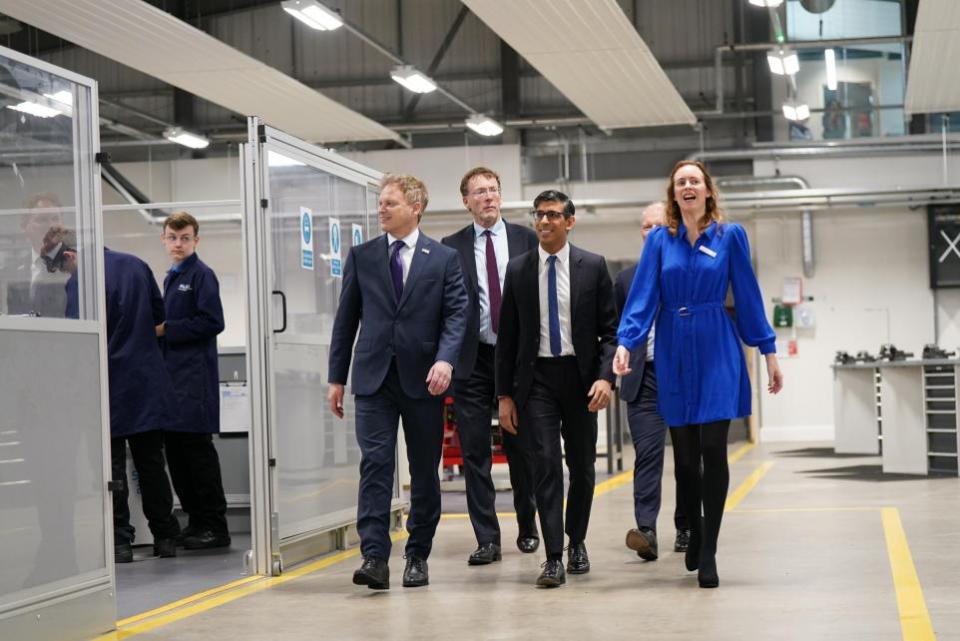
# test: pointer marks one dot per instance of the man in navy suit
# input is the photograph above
(406, 293)
(194, 318)
(554, 372)
(639, 390)
(485, 246)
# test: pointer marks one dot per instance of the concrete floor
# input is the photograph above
(803, 555)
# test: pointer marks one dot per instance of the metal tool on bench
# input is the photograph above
(865, 357)
(889, 352)
(844, 358)
(933, 351)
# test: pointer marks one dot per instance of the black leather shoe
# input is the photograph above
(643, 541)
(707, 575)
(373, 573)
(682, 542)
(553, 575)
(205, 540)
(528, 544)
(415, 574)
(485, 554)
(577, 560)
(122, 553)
(184, 533)
(165, 548)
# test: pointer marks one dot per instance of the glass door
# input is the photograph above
(56, 529)
(304, 208)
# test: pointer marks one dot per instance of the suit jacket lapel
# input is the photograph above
(383, 261)
(416, 266)
(467, 241)
(514, 241)
(532, 286)
(576, 280)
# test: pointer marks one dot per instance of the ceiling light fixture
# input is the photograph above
(183, 137)
(412, 79)
(830, 57)
(766, 3)
(484, 125)
(796, 112)
(57, 104)
(313, 14)
(783, 62)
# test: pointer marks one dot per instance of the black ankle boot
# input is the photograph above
(707, 574)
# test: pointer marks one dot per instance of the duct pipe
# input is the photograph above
(806, 215)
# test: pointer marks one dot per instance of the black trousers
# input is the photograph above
(195, 473)
(147, 451)
(648, 432)
(376, 424)
(475, 399)
(557, 407)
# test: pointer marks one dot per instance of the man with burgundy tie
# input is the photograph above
(485, 246)
(554, 372)
(405, 292)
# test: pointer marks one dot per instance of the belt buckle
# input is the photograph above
(683, 311)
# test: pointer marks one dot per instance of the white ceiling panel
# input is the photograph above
(933, 81)
(590, 52)
(152, 41)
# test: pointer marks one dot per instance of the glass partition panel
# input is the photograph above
(317, 454)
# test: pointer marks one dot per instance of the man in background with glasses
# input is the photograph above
(485, 246)
(554, 372)
(194, 317)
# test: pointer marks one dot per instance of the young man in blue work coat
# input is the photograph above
(194, 317)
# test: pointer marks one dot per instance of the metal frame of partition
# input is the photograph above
(74, 611)
(270, 554)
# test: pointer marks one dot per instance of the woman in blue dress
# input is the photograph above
(681, 284)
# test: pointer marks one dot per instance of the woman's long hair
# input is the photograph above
(673, 209)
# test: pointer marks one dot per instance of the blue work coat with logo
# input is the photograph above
(191, 297)
(141, 393)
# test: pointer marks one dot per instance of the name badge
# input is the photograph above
(709, 252)
(184, 287)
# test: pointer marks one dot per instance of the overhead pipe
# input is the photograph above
(806, 216)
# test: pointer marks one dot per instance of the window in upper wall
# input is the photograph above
(853, 90)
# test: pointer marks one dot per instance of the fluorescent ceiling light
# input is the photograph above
(783, 62)
(796, 112)
(484, 126)
(313, 14)
(411, 79)
(830, 57)
(275, 159)
(182, 137)
(61, 105)
(766, 3)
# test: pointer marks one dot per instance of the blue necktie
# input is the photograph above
(553, 306)
(396, 268)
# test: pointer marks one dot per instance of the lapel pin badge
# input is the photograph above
(425, 250)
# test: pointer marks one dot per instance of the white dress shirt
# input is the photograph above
(650, 342)
(406, 252)
(563, 302)
(499, 235)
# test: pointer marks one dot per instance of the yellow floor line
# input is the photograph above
(751, 481)
(203, 601)
(740, 452)
(915, 622)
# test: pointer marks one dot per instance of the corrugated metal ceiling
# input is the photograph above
(932, 81)
(143, 37)
(593, 55)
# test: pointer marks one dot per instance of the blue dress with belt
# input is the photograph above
(701, 372)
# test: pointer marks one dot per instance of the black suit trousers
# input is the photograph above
(474, 402)
(376, 423)
(648, 432)
(147, 451)
(195, 473)
(555, 409)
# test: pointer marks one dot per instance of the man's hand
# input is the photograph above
(438, 378)
(508, 415)
(621, 361)
(335, 399)
(161, 329)
(599, 395)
